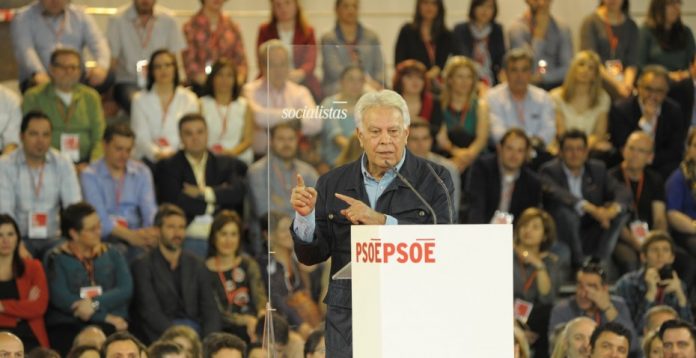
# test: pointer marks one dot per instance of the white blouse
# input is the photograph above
(584, 121)
(226, 124)
(157, 129)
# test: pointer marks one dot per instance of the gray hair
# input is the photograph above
(655, 70)
(265, 48)
(517, 54)
(383, 98)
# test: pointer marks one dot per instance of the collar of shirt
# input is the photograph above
(102, 170)
(657, 114)
(505, 177)
(198, 168)
(22, 159)
(342, 39)
(574, 182)
(375, 187)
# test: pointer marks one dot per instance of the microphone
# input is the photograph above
(408, 184)
(444, 188)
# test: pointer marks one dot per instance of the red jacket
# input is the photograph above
(23, 308)
(304, 53)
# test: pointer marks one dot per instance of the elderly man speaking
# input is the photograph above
(366, 192)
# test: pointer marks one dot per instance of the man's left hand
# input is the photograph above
(96, 76)
(192, 190)
(359, 213)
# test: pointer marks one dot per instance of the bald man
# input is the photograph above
(10, 346)
(90, 336)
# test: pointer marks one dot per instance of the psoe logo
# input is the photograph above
(421, 250)
(317, 112)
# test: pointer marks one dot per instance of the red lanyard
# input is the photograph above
(530, 279)
(613, 39)
(87, 262)
(221, 276)
(430, 48)
(223, 118)
(149, 25)
(598, 318)
(462, 114)
(37, 185)
(119, 190)
(165, 108)
(639, 189)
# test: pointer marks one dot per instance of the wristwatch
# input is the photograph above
(95, 305)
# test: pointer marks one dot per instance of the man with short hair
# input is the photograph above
(122, 191)
(166, 349)
(517, 103)
(610, 340)
(122, 345)
(223, 345)
(10, 118)
(652, 112)
(678, 339)
(11, 346)
(588, 205)
(420, 143)
(47, 25)
(74, 109)
(35, 181)
(500, 184)
(592, 299)
(656, 316)
(650, 286)
(90, 336)
(172, 286)
(134, 33)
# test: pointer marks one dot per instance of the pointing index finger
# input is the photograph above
(346, 198)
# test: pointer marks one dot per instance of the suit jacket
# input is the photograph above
(669, 136)
(156, 298)
(410, 45)
(224, 174)
(23, 308)
(484, 187)
(598, 187)
(464, 43)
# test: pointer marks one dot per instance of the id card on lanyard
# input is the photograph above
(38, 220)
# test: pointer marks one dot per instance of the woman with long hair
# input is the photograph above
(481, 39)
(289, 25)
(228, 115)
(464, 130)
(23, 289)
(411, 82)
(581, 103)
(155, 113)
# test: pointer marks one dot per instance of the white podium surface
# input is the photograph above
(432, 291)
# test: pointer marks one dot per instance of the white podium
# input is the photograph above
(432, 291)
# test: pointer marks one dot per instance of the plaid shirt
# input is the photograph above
(22, 191)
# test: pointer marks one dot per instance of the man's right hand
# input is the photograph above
(303, 198)
(41, 78)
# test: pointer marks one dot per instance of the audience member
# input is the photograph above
(463, 132)
(426, 38)
(581, 102)
(223, 345)
(656, 283)
(678, 339)
(239, 288)
(652, 345)
(42, 352)
(123, 345)
(613, 35)
(521, 344)
(692, 70)
(90, 282)
(281, 168)
(134, 33)
(83, 352)
(336, 132)
(172, 286)
(536, 277)
(517, 103)
(122, 191)
(200, 182)
(411, 82)
(283, 338)
(212, 35)
(420, 143)
(156, 111)
(11, 345)
(610, 340)
(592, 299)
(273, 96)
(74, 109)
(647, 210)
(23, 289)
(549, 40)
(35, 182)
(574, 341)
(10, 118)
(315, 346)
(665, 40)
(229, 118)
(500, 184)
(481, 39)
(657, 315)
(350, 44)
(653, 113)
(186, 337)
(47, 25)
(92, 336)
(590, 207)
(289, 25)
(165, 349)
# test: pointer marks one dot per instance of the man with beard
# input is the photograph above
(172, 286)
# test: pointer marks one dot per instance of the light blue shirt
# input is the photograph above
(136, 195)
(537, 110)
(575, 186)
(35, 36)
(304, 225)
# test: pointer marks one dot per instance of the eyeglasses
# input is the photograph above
(654, 90)
(66, 68)
(593, 266)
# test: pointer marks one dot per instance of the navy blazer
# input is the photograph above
(226, 175)
(669, 136)
(484, 187)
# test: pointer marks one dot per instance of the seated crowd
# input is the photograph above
(172, 228)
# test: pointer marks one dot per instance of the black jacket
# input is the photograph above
(226, 175)
(410, 45)
(484, 186)
(464, 45)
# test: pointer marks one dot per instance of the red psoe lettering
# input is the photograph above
(430, 252)
(389, 250)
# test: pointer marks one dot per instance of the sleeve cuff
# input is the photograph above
(209, 195)
(391, 220)
(579, 207)
(304, 226)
